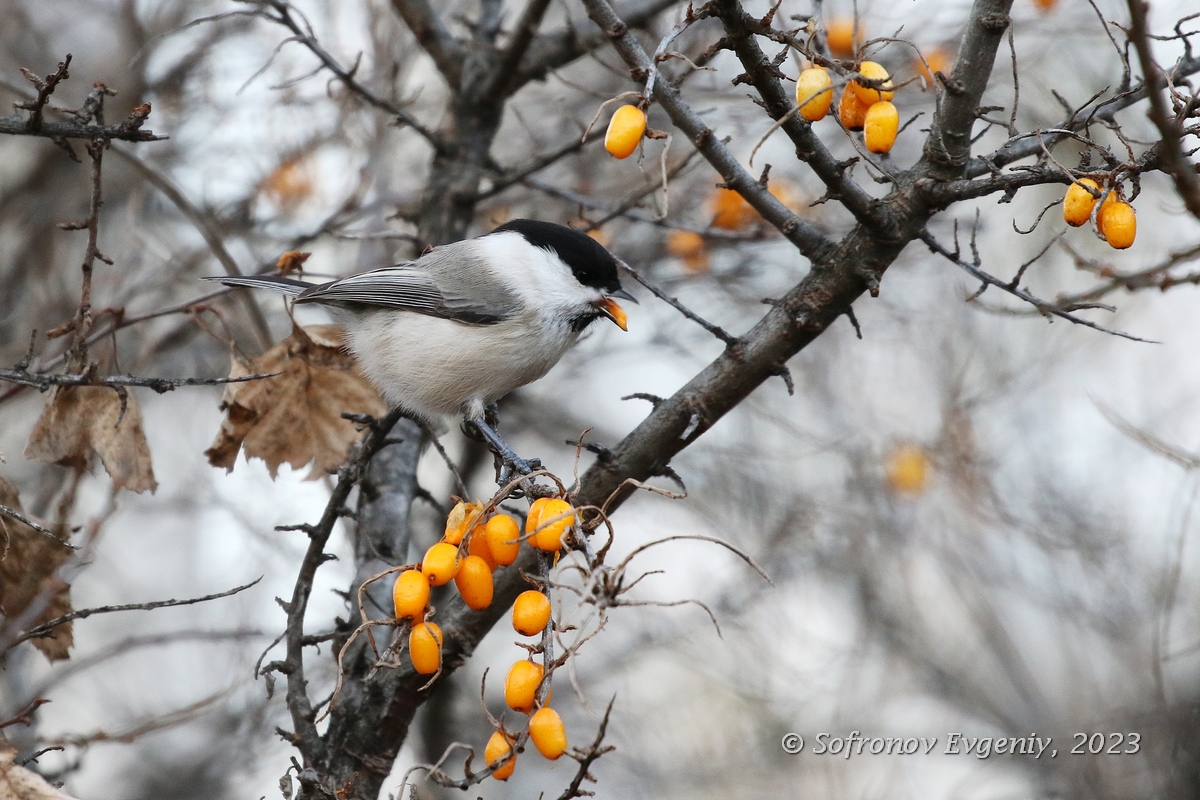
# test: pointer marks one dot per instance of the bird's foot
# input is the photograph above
(510, 463)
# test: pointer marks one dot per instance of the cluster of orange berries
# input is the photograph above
(866, 108)
(1115, 220)
(489, 542)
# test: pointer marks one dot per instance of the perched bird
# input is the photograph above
(466, 323)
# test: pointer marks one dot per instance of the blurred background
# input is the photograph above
(975, 520)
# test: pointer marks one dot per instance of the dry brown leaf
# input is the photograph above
(295, 416)
(81, 420)
(18, 783)
(28, 573)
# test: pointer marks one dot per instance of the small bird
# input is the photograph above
(466, 323)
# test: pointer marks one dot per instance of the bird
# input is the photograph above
(452, 332)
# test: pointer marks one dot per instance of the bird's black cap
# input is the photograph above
(589, 261)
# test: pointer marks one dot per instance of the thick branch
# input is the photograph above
(805, 236)
(446, 51)
(1170, 152)
(740, 28)
(948, 147)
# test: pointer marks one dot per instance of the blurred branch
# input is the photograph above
(551, 51)
(285, 15)
(47, 627)
(447, 52)
(208, 231)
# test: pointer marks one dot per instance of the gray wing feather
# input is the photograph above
(436, 284)
(272, 283)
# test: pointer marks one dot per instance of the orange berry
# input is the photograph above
(1118, 222)
(410, 594)
(731, 211)
(1079, 202)
(547, 732)
(497, 749)
(625, 131)
(521, 685)
(531, 613)
(907, 467)
(551, 529)
(852, 111)
(474, 582)
(881, 125)
(503, 539)
(535, 513)
(841, 38)
(460, 520)
(874, 72)
(1044, 5)
(1109, 199)
(425, 647)
(936, 60)
(478, 546)
(814, 93)
(440, 563)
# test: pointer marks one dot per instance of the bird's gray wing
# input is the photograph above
(441, 283)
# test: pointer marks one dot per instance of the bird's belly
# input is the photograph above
(436, 367)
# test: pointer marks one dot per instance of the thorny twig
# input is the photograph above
(48, 627)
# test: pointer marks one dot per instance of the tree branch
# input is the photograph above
(447, 52)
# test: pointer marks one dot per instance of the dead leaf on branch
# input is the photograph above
(295, 416)
(18, 783)
(29, 573)
(79, 421)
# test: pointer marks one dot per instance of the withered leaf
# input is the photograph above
(295, 416)
(18, 783)
(29, 562)
(79, 421)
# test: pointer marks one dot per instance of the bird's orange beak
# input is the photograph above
(611, 309)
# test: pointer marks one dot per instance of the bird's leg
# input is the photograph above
(511, 460)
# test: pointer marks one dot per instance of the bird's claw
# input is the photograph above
(523, 466)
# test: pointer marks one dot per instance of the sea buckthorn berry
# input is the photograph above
(440, 563)
(852, 111)
(410, 594)
(841, 37)
(731, 212)
(478, 546)
(497, 748)
(503, 539)
(881, 125)
(547, 733)
(531, 613)
(474, 582)
(625, 130)
(1108, 200)
(814, 93)
(549, 537)
(1079, 202)
(521, 684)
(1118, 223)
(535, 513)
(907, 467)
(875, 72)
(461, 517)
(425, 647)
(1045, 6)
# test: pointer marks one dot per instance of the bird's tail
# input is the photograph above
(274, 283)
